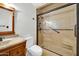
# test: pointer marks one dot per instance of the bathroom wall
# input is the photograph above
(24, 23)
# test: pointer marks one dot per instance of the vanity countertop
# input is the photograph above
(11, 42)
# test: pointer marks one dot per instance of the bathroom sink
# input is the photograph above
(2, 43)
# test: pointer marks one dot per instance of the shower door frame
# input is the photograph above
(66, 5)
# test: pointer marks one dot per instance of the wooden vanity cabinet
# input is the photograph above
(16, 50)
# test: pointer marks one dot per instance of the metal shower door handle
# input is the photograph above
(75, 30)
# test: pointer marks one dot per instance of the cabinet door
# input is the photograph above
(21, 50)
(18, 50)
(4, 53)
(13, 52)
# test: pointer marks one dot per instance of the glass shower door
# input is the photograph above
(56, 31)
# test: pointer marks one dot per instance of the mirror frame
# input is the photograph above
(11, 9)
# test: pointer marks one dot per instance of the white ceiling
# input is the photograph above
(38, 5)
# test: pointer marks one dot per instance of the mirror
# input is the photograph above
(6, 20)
